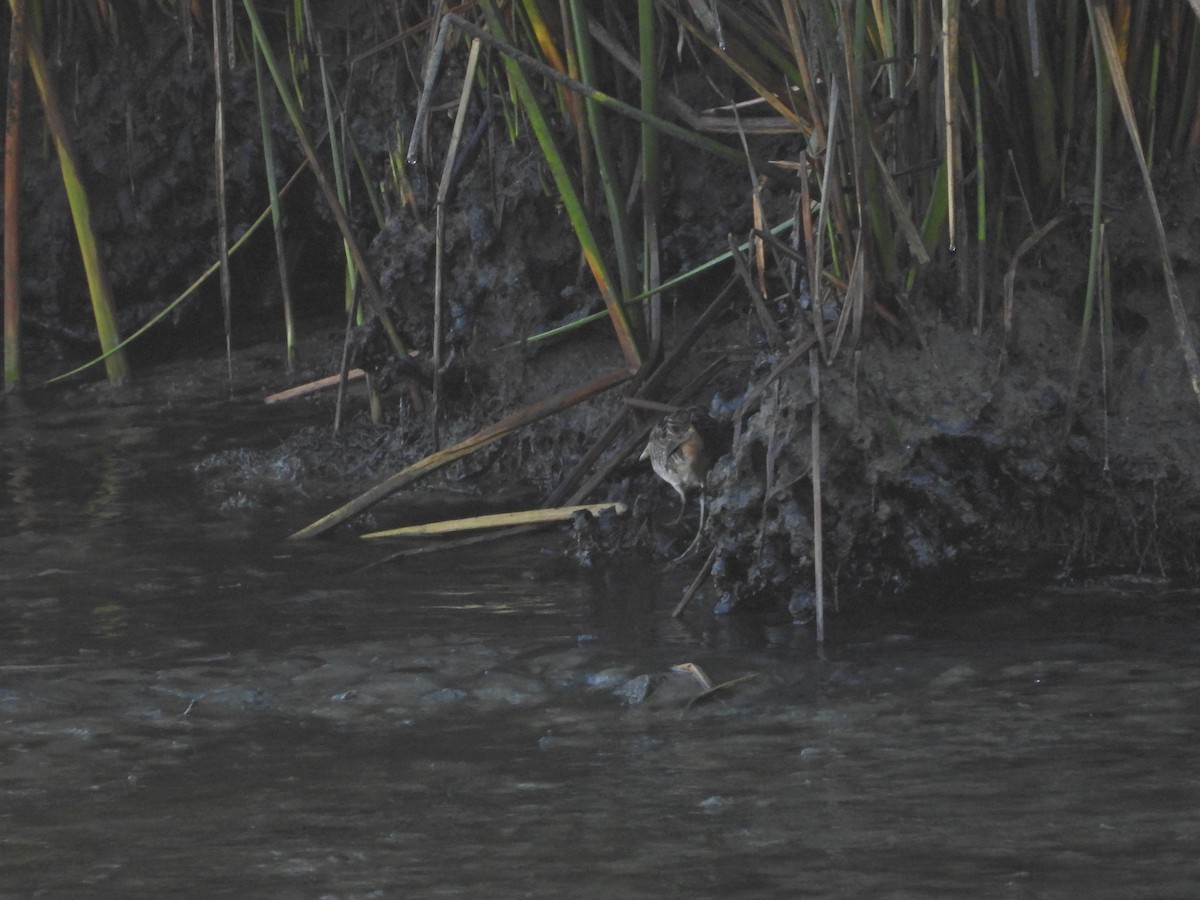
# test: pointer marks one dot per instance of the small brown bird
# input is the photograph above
(679, 456)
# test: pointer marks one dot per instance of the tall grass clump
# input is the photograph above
(904, 150)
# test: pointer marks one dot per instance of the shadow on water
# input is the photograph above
(190, 703)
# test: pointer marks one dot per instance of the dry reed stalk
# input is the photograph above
(499, 520)
(525, 416)
(1010, 276)
(814, 374)
(695, 585)
(310, 387)
(1183, 325)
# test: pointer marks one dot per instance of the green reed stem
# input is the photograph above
(103, 310)
(602, 148)
(679, 279)
(340, 176)
(191, 289)
(1042, 102)
(569, 196)
(774, 173)
(268, 144)
(374, 292)
(1102, 120)
(12, 198)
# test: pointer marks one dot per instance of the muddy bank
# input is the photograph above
(942, 450)
(942, 453)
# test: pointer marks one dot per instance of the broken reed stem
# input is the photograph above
(615, 427)
(782, 366)
(710, 264)
(681, 350)
(695, 585)
(770, 328)
(352, 312)
(1010, 276)
(852, 306)
(525, 416)
(312, 386)
(814, 374)
(498, 520)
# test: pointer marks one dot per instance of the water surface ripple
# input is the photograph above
(191, 705)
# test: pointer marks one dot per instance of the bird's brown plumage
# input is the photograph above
(678, 453)
(680, 456)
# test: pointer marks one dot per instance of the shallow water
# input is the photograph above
(190, 704)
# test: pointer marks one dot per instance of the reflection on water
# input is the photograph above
(190, 705)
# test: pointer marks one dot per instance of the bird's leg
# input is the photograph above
(699, 531)
(682, 504)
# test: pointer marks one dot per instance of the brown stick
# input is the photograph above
(1010, 276)
(562, 491)
(770, 328)
(489, 435)
(695, 585)
(782, 366)
(320, 384)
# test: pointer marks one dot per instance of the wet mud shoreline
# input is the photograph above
(943, 450)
